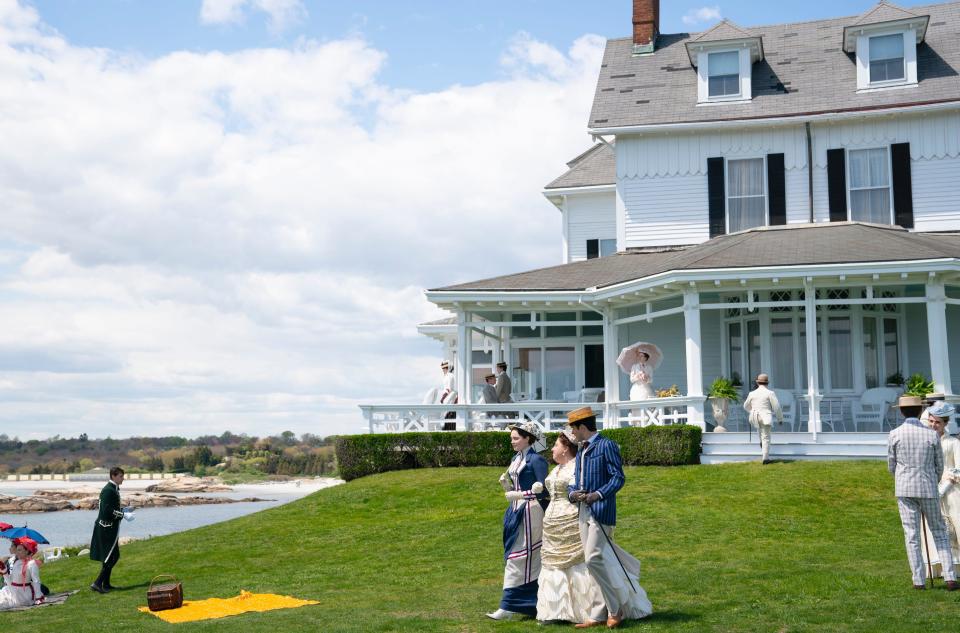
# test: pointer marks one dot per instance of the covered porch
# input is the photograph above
(560, 330)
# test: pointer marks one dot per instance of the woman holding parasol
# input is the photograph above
(639, 361)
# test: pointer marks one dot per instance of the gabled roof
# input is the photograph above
(804, 72)
(883, 12)
(596, 166)
(788, 245)
(722, 31)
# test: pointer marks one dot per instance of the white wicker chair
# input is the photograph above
(872, 408)
(788, 406)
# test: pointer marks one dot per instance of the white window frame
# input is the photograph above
(909, 60)
(903, 61)
(850, 188)
(703, 76)
(726, 189)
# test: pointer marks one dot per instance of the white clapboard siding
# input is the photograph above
(590, 217)
(665, 211)
(936, 194)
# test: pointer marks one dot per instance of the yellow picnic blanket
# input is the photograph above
(213, 608)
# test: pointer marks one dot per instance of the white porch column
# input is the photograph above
(813, 372)
(937, 336)
(498, 346)
(464, 356)
(611, 374)
(691, 326)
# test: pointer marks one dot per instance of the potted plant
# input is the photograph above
(722, 392)
(895, 380)
(918, 385)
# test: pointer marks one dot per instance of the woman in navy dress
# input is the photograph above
(522, 524)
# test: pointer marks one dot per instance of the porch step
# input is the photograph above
(718, 448)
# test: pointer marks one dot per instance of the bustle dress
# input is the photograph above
(567, 591)
(22, 586)
(949, 507)
(522, 534)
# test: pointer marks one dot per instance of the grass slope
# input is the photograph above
(788, 547)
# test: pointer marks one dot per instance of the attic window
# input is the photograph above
(886, 58)
(723, 70)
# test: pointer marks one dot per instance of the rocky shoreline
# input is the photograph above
(88, 499)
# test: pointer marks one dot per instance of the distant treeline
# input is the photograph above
(283, 454)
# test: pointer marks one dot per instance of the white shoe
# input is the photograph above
(503, 614)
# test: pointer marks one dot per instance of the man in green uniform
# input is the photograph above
(105, 546)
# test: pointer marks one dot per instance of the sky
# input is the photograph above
(221, 214)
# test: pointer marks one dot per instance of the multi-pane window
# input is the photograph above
(869, 185)
(723, 74)
(746, 200)
(886, 58)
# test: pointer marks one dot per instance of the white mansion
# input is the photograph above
(782, 198)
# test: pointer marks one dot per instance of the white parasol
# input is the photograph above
(630, 356)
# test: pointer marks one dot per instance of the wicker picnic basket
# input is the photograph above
(165, 596)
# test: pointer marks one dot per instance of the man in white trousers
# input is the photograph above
(762, 405)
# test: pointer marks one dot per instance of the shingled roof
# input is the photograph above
(787, 245)
(804, 72)
(596, 166)
(883, 12)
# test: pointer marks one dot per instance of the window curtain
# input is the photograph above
(746, 204)
(869, 186)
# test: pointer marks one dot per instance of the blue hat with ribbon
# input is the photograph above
(941, 409)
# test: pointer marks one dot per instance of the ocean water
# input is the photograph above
(75, 527)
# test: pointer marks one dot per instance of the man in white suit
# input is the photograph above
(762, 405)
(915, 458)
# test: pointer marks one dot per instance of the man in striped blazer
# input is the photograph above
(597, 476)
(915, 458)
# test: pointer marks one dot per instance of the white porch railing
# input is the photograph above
(549, 416)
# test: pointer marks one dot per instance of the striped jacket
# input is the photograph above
(915, 458)
(599, 469)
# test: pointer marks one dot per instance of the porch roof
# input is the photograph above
(788, 245)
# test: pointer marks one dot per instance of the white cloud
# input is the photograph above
(239, 241)
(702, 15)
(281, 13)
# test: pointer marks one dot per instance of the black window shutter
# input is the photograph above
(716, 196)
(776, 183)
(902, 185)
(593, 249)
(837, 184)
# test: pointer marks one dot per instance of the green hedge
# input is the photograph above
(362, 455)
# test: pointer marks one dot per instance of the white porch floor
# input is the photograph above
(720, 448)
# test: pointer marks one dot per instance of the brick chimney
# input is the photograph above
(646, 25)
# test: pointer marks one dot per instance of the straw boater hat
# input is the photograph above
(909, 401)
(502, 364)
(529, 428)
(445, 363)
(763, 379)
(579, 415)
(489, 376)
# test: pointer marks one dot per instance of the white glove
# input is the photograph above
(944, 487)
(537, 487)
(506, 483)
(513, 495)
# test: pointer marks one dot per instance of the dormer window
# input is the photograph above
(723, 70)
(885, 41)
(886, 58)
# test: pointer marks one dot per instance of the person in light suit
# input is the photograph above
(915, 459)
(597, 476)
(488, 393)
(762, 405)
(504, 386)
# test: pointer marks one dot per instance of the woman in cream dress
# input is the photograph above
(567, 592)
(641, 375)
(938, 419)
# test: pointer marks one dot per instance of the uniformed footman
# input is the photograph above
(105, 544)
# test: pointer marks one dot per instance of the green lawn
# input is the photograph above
(786, 547)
